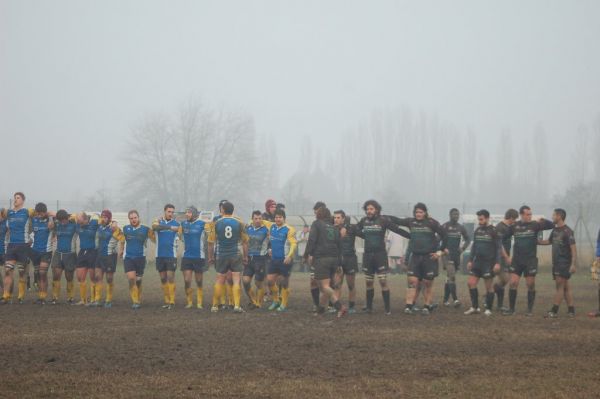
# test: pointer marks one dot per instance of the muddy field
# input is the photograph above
(71, 351)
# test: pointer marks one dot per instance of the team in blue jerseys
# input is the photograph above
(88, 247)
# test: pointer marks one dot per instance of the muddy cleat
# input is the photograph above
(571, 315)
(425, 312)
(388, 313)
(21, 301)
(42, 302)
(189, 306)
(550, 315)
(487, 312)
(331, 309)
(367, 310)
(274, 305)
(457, 304)
(594, 313)
(214, 309)
(252, 306)
(447, 303)
(135, 306)
(508, 312)
(108, 305)
(281, 308)
(80, 303)
(433, 306)
(238, 309)
(5, 301)
(54, 302)
(342, 312)
(410, 311)
(92, 304)
(472, 310)
(529, 313)
(199, 307)
(351, 311)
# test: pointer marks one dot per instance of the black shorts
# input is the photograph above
(87, 258)
(166, 264)
(1, 260)
(229, 264)
(375, 263)
(38, 258)
(455, 258)
(196, 265)
(526, 268)
(325, 268)
(561, 271)
(17, 253)
(278, 266)
(483, 268)
(136, 265)
(423, 267)
(257, 268)
(108, 263)
(65, 261)
(350, 264)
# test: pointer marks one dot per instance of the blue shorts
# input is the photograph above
(277, 266)
(195, 264)
(136, 265)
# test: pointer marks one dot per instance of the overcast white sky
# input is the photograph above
(76, 75)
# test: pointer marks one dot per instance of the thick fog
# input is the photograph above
(337, 100)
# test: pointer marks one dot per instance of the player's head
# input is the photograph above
(169, 211)
(134, 217)
(323, 213)
(525, 213)
(279, 217)
(221, 206)
(62, 216)
(559, 215)
(227, 208)
(317, 205)
(305, 228)
(41, 210)
(280, 206)
(339, 217)
(3, 213)
(511, 215)
(106, 216)
(256, 218)
(420, 211)
(372, 208)
(270, 206)
(19, 198)
(454, 215)
(191, 213)
(483, 217)
(82, 218)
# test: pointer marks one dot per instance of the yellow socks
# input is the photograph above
(222, 296)
(188, 296)
(139, 291)
(22, 288)
(134, 293)
(237, 295)
(92, 291)
(109, 292)
(42, 295)
(55, 289)
(98, 290)
(166, 293)
(260, 296)
(275, 293)
(171, 293)
(70, 289)
(218, 294)
(285, 295)
(230, 299)
(83, 292)
(199, 296)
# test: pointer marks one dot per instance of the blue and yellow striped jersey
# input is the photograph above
(108, 239)
(87, 233)
(42, 237)
(65, 236)
(257, 240)
(228, 232)
(279, 236)
(193, 238)
(3, 231)
(18, 223)
(166, 240)
(135, 240)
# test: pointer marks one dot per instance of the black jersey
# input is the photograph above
(526, 238)
(373, 232)
(425, 235)
(455, 232)
(561, 239)
(487, 244)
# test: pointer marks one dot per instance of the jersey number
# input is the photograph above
(228, 232)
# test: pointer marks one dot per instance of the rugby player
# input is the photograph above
(258, 240)
(280, 267)
(564, 260)
(484, 262)
(64, 257)
(109, 237)
(372, 229)
(455, 232)
(18, 222)
(226, 300)
(425, 250)
(503, 277)
(193, 262)
(349, 258)
(524, 261)
(166, 229)
(228, 232)
(133, 252)
(270, 208)
(314, 285)
(40, 254)
(325, 256)
(3, 232)
(87, 229)
(595, 272)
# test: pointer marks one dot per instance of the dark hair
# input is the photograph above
(561, 212)
(20, 194)
(452, 210)
(523, 209)
(484, 212)
(421, 206)
(279, 212)
(171, 206)
(280, 206)
(62, 215)
(319, 204)
(132, 212)
(511, 214)
(323, 213)
(372, 203)
(256, 213)
(227, 208)
(340, 212)
(40, 207)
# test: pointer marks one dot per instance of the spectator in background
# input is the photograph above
(302, 238)
(396, 248)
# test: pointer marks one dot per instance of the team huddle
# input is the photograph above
(264, 249)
